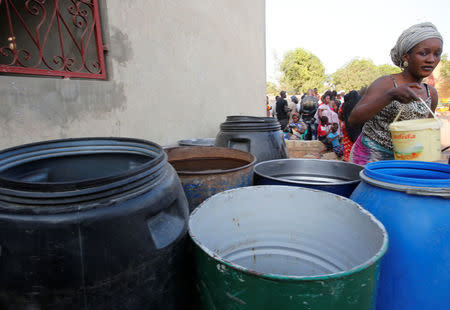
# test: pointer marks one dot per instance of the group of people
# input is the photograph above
(356, 125)
(323, 118)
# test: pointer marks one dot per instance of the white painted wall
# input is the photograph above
(176, 69)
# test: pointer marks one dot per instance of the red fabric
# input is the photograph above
(348, 143)
(322, 130)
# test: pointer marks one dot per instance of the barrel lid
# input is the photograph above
(250, 123)
(415, 124)
(409, 173)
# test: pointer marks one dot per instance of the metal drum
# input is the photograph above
(282, 247)
(205, 171)
(333, 176)
(412, 199)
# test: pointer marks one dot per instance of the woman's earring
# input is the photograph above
(405, 64)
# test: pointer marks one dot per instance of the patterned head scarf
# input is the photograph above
(410, 38)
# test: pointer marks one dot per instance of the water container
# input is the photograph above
(205, 171)
(94, 223)
(283, 247)
(338, 177)
(412, 200)
(260, 136)
(197, 142)
(417, 139)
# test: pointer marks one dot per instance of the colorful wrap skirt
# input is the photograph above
(365, 151)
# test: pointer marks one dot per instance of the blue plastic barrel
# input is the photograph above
(412, 200)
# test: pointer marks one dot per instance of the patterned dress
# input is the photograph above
(375, 141)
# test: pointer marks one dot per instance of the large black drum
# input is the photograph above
(260, 136)
(94, 223)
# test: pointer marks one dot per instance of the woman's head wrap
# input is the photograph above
(410, 38)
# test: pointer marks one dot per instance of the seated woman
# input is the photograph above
(417, 52)
(297, 129)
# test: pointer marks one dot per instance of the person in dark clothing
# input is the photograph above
(282, 109)
(349, 132)
(350, 100)
(308, 108)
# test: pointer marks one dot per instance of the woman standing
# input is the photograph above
(417, 52)
(349, 133)
(327, 110)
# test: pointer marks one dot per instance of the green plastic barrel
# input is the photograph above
(283, 248)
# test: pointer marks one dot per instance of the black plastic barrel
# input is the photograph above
(260, 136)
(94, 223)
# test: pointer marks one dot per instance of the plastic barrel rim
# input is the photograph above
(409, 173)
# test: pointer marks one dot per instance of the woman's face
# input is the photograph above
(424, 57)
(327, 100)
(295, 119)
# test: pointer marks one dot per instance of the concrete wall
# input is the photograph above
(176, 69)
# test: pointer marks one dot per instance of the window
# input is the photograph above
(51, 37)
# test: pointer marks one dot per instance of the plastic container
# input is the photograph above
(197, 142)
(260, 136)
(417, 139)
(412, 200)
(93, 223)
(282, 247)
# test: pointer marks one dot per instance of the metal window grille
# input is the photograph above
(51, 37)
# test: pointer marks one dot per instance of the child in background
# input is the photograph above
(296, 132)
(323, 129)
(333, 138)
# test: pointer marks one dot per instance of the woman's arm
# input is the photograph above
(380, 94)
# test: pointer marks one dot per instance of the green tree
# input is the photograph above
(356, 74)
(445, 66)
(388, 69)
(301, 70)
(271, 89)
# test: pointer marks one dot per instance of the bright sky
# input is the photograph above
(339, 31)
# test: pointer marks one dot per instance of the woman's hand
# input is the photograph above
(404, 93)
(380, 94)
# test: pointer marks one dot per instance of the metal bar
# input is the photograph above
(11, 31)
(99, 41)
(66, 74)
(88, 68)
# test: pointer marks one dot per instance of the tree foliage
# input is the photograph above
(356, 74)
(445, 66)
(301, 70)
(360, 73)
(271, 89)
(388, 69)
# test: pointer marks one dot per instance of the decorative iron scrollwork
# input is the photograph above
(52, 37)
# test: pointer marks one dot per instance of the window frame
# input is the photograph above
(100, 49)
